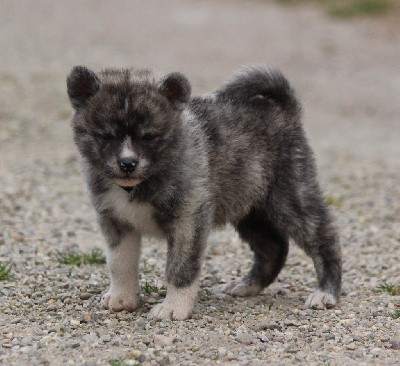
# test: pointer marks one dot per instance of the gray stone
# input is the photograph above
(85, 296)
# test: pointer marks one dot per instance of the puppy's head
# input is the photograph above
(127, 124)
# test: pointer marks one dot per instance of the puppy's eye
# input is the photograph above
(106, 136)
(150, 136)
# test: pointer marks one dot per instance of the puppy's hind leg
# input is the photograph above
(270, 249)
(324, 249)
(312, 228)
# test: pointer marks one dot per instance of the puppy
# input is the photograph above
(160, 163)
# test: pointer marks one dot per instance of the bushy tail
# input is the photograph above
(258, 82)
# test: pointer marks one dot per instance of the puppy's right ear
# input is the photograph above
(82, 84)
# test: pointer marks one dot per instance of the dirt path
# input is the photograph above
(346, 74)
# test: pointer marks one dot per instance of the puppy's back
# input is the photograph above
(247, 123)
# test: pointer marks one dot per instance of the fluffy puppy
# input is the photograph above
(160, 163)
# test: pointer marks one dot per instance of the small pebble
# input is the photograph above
(162, 340)
(74, 322)
(85, 296)
(395, 344)
(245, 338)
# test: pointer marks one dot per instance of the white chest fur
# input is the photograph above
(140, 215)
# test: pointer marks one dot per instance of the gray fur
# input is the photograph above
(239, 157)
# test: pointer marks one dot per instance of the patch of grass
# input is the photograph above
(147, 268)
(347, 8)
(359, 7)
(390, 288)
(333, 201)
(77, 258)
(395, 314)
(5, 271)
(96, 256)
(8, 79)
(149, 288)
(207, 292)
(122, 362)
(69, 257)
(117, 362)
(285, 2)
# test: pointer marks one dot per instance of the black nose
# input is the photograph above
(128, 164)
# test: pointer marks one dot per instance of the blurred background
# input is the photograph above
(342, 57)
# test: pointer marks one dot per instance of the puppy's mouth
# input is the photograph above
(127, 183)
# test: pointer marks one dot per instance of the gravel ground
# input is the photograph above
(347, 75)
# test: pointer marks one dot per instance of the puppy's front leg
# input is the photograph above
(183, 269)
(123, 255)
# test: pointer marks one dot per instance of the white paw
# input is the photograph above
(171, 311)
(118, 301)
(241, 288)
(321, 300)
(177, 305)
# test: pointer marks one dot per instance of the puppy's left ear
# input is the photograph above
(176, 88)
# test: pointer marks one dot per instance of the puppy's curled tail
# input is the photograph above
(257, 83)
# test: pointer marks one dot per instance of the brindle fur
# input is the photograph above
(238, 156)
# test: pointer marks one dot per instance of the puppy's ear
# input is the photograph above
(176, 88)
(82, 84)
